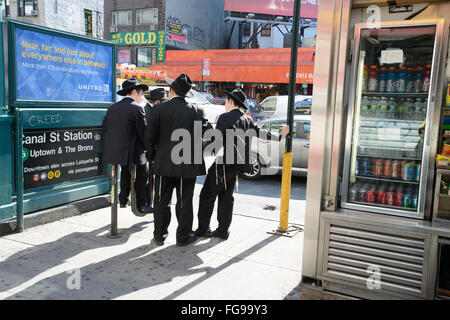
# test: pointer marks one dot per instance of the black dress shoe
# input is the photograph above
(157, 242)
(203, 233)
(192, 238)
(145, 209)
(220, 234)
(123, 205)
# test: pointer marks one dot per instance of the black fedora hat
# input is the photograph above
(181, 85)
(157, 94)
(130, 85)
(238, 96)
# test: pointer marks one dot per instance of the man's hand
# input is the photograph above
(285, 131)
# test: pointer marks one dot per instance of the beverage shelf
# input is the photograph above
(395, 94)
(381, 178)
(388, 157)
(383, 206)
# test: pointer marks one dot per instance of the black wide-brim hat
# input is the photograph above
(182, 85)
(129, 85)
(157, 94)
(238, 96)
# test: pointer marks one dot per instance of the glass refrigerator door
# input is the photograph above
(384, 156)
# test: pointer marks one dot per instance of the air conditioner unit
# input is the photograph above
(113, 29)
(34, 12)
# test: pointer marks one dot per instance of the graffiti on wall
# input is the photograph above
(181, 33)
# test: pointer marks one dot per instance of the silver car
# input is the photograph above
(268, 155)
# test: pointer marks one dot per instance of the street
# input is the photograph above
(73, 258)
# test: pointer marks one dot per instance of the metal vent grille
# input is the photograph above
(400, 258)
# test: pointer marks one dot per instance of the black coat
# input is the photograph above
(124, 124)
(165, 118)
(234, 121)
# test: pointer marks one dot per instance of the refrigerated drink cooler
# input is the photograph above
(376, 122)
(385, 164)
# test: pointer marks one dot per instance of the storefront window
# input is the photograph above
(266, 30)
(123, 55)
(144, 56)
(27, 8)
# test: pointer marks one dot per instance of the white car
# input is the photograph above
(211, 111)
(276, 106)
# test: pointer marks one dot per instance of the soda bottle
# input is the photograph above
(373, 107)
(397, 80)
(382, 80)
(353, 194)
(407, 199)
(373, 79)
(426, 79)
(418, 80)
(390, 80)
(365, 79)
(402, 80)
(399, 195)
(401, 109)
(409, 109)
(380, 193)
(414, 199)
(410, 84)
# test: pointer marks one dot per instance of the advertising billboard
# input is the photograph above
(49, 66)
(308, 8)
(154, 39)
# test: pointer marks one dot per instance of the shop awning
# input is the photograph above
(232, 65)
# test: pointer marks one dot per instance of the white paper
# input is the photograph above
(391, 56)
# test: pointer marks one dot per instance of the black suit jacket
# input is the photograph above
(124, 124)
(238, 146)
(164, 119)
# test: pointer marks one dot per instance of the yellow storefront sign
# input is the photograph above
(135, 38)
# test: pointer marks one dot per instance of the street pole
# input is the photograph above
(287, 157)
(114, 202)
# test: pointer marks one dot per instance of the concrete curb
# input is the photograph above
(54, 214)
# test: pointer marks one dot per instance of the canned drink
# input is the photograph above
(399, 195)
(387, 168)
(363, 166)
(353, 194)
(378, 167)
(396, 169)
(371, 194)
(362, 193)
(407, 200)
(389, 197)
(409, 172)
(380, 194)
(414, 201)
(417, 172)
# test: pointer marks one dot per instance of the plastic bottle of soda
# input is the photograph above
(409, 109)
(390, 80)
(418, 80)
(365, 105)
(380, 193)
(382, 79)
(402, 80)
(410, 84)
(382, 108)
(353, 193)
(418, 109)
(426, 79)
(401, 109)
(373, 107)
(399, 195)
(373, 79)
(365, 79)
(391, 109)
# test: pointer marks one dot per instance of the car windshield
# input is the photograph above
(253, 105)
(206, 95)
(198, 98)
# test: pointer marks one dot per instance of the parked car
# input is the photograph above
(254, 110)
(267, 156)
(212, 111)
(211, 98)
(276, 106)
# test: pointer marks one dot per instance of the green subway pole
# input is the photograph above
(287, 157)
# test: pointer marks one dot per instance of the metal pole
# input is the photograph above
(114, 203)
(287, 157)
(19, 170)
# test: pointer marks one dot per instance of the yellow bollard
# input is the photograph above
(285, 191)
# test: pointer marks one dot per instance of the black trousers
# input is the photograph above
(163, 195)
(222, 190)
(140, 184)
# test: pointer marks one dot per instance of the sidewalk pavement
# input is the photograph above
(74, 259)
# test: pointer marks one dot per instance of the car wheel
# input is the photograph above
(255, 173)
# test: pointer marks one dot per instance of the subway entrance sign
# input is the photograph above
(59, 87)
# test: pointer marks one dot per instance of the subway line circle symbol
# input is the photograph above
(50, 175)
(43, 176)
(57, 174)
(36, 177)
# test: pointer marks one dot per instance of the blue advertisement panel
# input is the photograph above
(53, 67)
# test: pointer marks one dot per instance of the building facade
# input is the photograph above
(82, 16)
(135, 24)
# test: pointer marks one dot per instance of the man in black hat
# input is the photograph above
(237, 132)
(125, 124)
(175, 170)
(156, 96)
